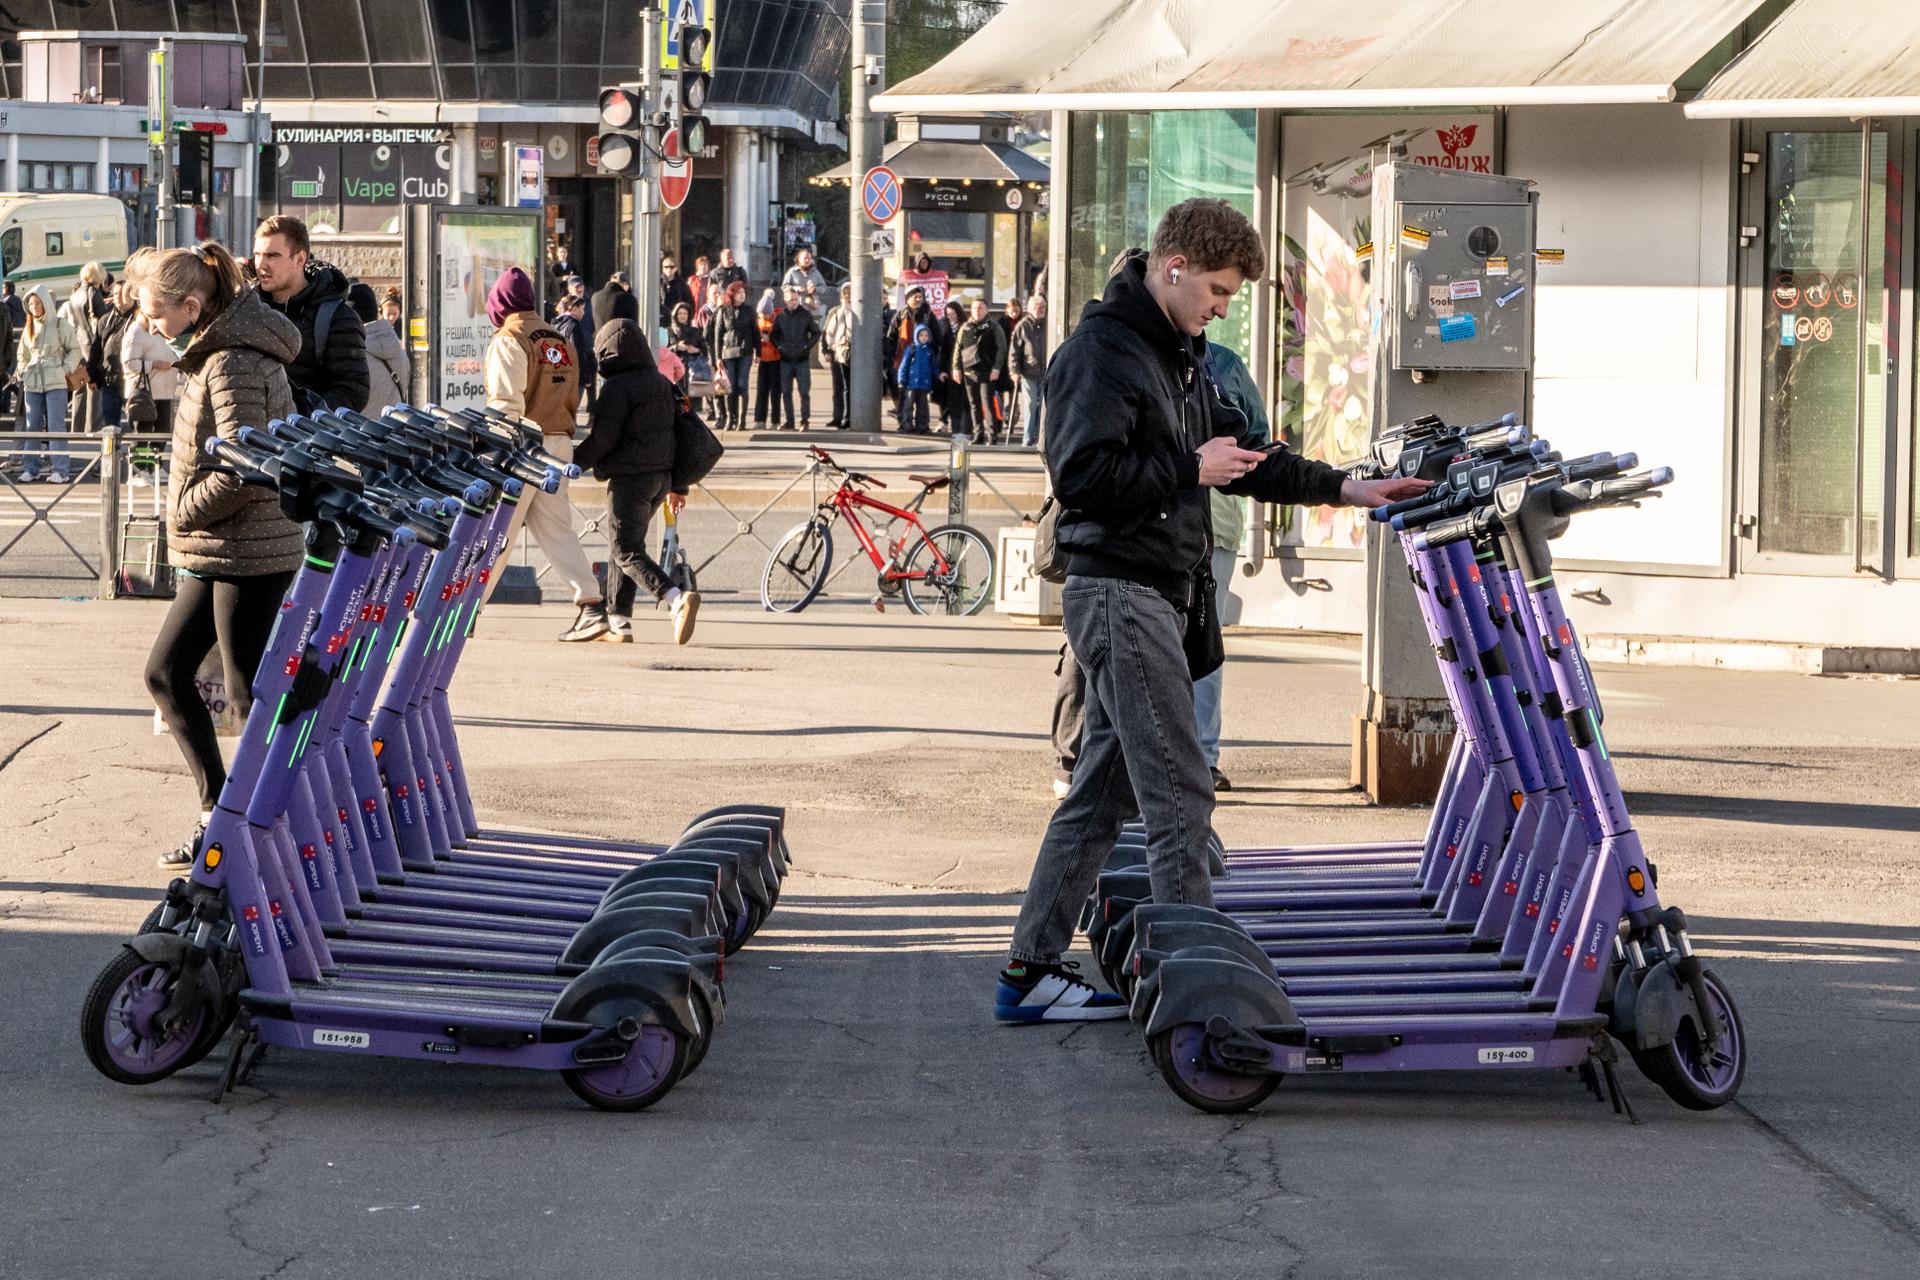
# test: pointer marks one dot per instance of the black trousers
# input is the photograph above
(842, 409)
(981, 407)
(631, 502)
(913, 415)
(235, 613)
(766, 391)
(794, 373)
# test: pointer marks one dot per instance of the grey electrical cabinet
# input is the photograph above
(1459, 285)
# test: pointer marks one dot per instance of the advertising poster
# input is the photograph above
(357, 178)
(474, 249)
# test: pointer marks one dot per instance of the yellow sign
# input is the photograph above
(156, 97)
(683, 13)
(1550, 256)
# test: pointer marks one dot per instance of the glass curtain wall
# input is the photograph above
(1129, 168)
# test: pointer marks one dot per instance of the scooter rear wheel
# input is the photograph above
(653, 1065)
(1693, 1076)
(1181, 1054)
(119, 1028)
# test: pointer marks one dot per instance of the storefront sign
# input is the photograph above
(1466, 147)
(981, 197)
(355, 177)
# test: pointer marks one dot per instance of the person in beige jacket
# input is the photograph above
(50, 350)
(234, 553)
(533, 371)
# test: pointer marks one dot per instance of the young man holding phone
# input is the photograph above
(1137, 435)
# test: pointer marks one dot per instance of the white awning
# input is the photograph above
(1824, 58)
(1143, 55)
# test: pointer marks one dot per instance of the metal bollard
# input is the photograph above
(957, 476)
(109, 481)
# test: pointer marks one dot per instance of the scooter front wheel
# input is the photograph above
(654, 1063)
(120, 1024)
(1181, 1054)
(1695, 1076)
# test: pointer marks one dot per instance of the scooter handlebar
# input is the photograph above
(1452, 529)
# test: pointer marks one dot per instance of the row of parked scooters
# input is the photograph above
(1525, 930)
(346, 898)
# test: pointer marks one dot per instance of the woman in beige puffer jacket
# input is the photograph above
(234, 552)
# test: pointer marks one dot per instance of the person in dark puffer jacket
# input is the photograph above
(234, 552)
(302, 289)
(631, 447)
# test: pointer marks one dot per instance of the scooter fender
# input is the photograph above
(1166, 937)
(1623, 1016)
(652, 991)
(1202, 988)
(1144, 989)
(1660, 1005)
(596, 933)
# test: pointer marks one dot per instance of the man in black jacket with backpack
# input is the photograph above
(1137, 433)
(330, 370)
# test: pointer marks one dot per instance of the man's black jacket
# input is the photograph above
(634, 413)
(337, 375)
(1128, 403)
(983, 348)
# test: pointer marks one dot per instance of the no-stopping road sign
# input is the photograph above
(676, 171)
(880, 194)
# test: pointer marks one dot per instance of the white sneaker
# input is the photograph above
(619, 630)
(685, 609)
(589, 624)
(1060, 788)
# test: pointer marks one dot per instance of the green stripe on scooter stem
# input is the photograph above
(373, 638)
(1599, 739)
(317, 562)
(300, 746)
(1535, 583)
(400, 631)
(275, 726)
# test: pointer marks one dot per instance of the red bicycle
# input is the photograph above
(947, 569)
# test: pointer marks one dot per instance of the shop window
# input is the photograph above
(1819, 309)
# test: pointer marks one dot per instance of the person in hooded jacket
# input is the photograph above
(631, 447)
(952, 396)
(914, 314)
(532, 371)
(330, 369)
(103, 354)
(388, 371)
(917, 375)
(1138, 434)
(686, 340)
(233, 551)
(766, 377)
(732, 340)
(48, 353)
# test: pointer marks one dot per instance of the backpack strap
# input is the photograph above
(323, 327)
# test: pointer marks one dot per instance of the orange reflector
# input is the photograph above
(213, 856)
(1518, 800)
(379, 745)
(1636, 880)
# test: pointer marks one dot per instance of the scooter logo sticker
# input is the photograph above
(327, 1038)
(280, 924)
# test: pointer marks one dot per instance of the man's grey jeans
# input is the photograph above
(1140, 744)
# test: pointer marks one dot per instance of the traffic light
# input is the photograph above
(193, 177)
(623, 126)
(694, 84)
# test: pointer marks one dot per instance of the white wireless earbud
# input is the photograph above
(1176, 275)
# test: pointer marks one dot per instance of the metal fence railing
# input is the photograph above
(100, 532)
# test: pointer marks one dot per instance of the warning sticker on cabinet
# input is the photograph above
(1462, 289)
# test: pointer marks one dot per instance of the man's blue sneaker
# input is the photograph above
(1031, 992)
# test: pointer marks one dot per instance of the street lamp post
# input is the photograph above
(863, 152)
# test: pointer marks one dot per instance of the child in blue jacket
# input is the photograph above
(918, 365)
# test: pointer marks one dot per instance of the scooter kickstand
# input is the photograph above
(240, 1063)
(1616, 1093)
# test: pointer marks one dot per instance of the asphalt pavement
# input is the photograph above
(860, 1114)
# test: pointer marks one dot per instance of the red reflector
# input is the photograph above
(1511, 887)
(250, 912)
(446, 592)
(400, 792)
(1473, 573)
(369, 805)
(293, 664)
(308, 852)
(1474, 879)
(1566, 634)
(379, 613)
(1533, 911)
(273, 905)
(1452, 849)
(1590, 963)
(334, 642)
(1506, 603)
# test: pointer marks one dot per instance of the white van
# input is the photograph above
(46, 239)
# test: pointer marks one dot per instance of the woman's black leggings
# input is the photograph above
(235, 613)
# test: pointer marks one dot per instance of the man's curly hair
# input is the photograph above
(1212, 235)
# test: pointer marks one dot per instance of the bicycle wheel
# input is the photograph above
(798, 567)
(967, 584)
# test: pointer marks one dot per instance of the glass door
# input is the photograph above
(1819, 370)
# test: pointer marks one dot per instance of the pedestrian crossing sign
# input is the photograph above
(687, 13)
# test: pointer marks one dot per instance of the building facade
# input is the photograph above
(1736, 301)
(375, 102)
